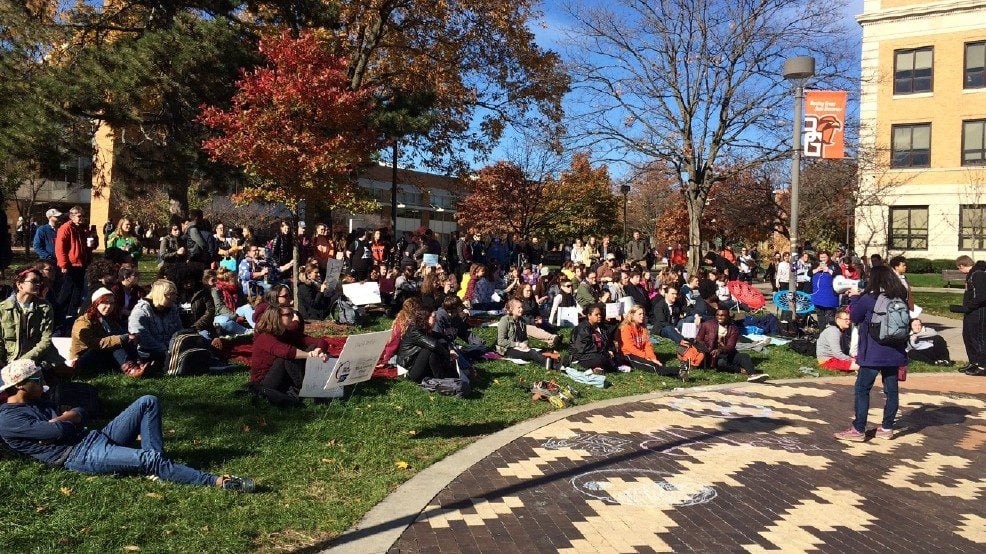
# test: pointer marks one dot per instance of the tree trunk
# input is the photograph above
(695, 202)
(178, 198)
(294, 260)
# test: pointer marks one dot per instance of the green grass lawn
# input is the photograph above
(319, 469)
(937, 303)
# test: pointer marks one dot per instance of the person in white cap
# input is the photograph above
(99, 342)
(30, 425)
(44, 237)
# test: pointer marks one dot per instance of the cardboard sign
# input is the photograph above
(317, 373)
(362, 294)
(431, 259)
(825, 121)
(689, 330)
(627, 304)
(333, 270)
(614, 310)
(568, 317)
(358, 358)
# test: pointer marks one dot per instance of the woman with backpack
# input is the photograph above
(877, 313)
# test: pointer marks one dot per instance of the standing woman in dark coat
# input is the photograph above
(874, 358)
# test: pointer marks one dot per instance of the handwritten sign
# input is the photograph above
(362, 294)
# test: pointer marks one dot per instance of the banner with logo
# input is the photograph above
(825, 121)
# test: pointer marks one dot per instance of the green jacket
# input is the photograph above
(40, 327)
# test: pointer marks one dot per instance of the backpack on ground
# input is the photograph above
(66, 395)
(891, 321)
(805, 347)
(448, 386)
(345, 312)
(188, 353)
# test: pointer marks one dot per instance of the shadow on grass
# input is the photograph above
(467, 430)
(738, 425)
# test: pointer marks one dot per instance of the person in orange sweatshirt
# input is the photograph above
(635, 342)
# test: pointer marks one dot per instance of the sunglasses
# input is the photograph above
(39, 379)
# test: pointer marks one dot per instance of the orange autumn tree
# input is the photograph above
(504, 199)
(297, 128)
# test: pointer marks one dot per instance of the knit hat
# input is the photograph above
(101, 292)
(16, 372)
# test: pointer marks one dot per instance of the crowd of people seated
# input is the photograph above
(235, 291)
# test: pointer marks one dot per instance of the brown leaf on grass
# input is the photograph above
(246, 428)
(196, 441)
(154, 495)
(412, 432)
(39, 509)
(331, 443)
(262, 422)
(66, 491)
(131, 548)
(328, 460)
(401, 464)
(419, 412)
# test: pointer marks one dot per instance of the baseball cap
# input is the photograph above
(17, 372)
(610, 256)
(53, 213)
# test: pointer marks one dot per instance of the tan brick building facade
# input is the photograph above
(923, 128)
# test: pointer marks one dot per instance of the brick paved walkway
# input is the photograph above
(747, 469)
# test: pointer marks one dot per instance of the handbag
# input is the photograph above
(902, 373)
(691, 355)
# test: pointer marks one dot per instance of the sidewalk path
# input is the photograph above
(732, 468)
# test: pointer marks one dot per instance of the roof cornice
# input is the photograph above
(948, 7)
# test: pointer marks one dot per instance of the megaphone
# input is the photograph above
(842, 284)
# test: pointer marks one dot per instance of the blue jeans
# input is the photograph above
(671, 333)
(246, 312)
(105, 451)
(864, 382)
(229, 326)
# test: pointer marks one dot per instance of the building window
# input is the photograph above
(911, 145)
(975, 65)
(974, 142)
(913, 70)
(972, 227)
(908, 228)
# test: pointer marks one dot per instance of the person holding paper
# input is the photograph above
(564, 299)
(280, 351)
(591, 345)
(667, 314)
(635, 342)
(424, 354)
(511, 336)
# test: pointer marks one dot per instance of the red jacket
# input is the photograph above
(708, 336)
(679, 257)
(267, 349)
(70, 246)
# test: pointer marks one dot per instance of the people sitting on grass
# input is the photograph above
(225, 300)
(127, 292)
(280, 348)
(155, 319)
(635, 342)
(172, 247)
(255, 276)
(666, 315)
(99, 341)
(402, 320)
(592, 347)
(832, 347)
(423, 353)
(314, 296)
(27, 324)
(511, 336)
(718, 338)
(564, 299)
(32, 426)
(925, 345)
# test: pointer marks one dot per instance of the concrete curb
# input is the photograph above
(382, 526)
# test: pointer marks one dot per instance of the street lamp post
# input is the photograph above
(798, 70)
(625, 189)
(393, 192)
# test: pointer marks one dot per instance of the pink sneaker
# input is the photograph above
(887, 434)
(850, 434)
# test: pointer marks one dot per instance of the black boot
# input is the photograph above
(977, 371)
(968, 367)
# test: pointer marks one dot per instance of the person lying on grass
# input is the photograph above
(30, 425)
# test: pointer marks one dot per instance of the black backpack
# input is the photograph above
(805, 346)
(188, 353)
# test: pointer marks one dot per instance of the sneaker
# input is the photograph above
(977, 372)
(624, 369)
(238, 484)
(882, 433)
(850, 434)
(757, 378)
(683, 373)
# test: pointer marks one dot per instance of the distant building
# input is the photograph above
(923, 116)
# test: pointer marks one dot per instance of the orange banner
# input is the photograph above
(825, 120)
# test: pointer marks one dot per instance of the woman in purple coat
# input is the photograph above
(874, 358)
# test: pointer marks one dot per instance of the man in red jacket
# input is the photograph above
(73, 252)
(718, 339)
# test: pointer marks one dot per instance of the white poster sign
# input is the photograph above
(613, 310)
(568, 317)
(431, 259)
(317, 373)
(358, 358)
(362, 294)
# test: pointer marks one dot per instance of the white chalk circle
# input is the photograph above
(645, 488)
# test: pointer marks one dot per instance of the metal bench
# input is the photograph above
(949, 275)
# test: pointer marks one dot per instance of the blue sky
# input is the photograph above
(550, 33)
